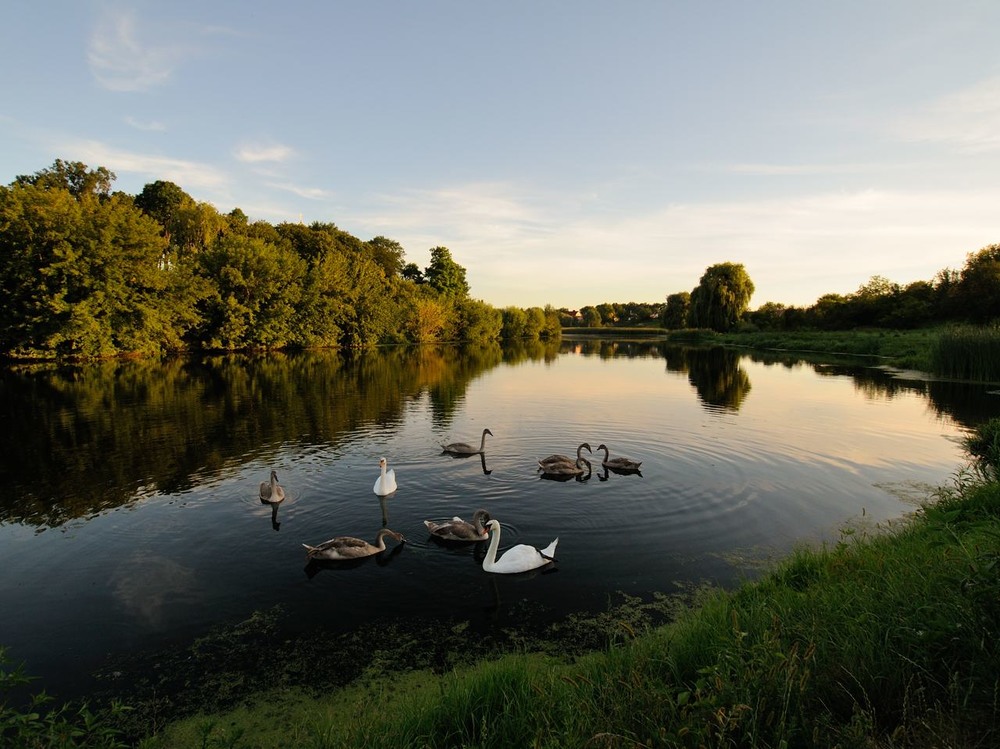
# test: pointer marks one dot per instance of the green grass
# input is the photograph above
(907, 349)
(963, 352)
(967, 353)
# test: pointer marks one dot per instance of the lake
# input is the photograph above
(131, 520)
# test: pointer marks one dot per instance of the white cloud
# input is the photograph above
(188, 175)
(256, 153)
(121, 61)
(309, 193)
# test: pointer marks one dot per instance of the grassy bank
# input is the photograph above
(907, 349)
(954, 352)
(886, 639)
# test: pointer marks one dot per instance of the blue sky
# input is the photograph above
(567, 152)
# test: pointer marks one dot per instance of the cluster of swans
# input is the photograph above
(519, 558)
(562, 465)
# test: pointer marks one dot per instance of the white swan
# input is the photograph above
(348, 547)
(386, 482)
(464, 448)
(457, 529)
(622, 464)
(555, 459)
(272, 493)
(520, 558)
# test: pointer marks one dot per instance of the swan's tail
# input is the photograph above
(549, 552)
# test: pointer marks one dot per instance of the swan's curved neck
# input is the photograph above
(491, 553)
(482, 443)
(380, 538)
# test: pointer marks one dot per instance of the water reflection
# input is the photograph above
(274, 514)
(163, 462)
(556, 474)
(82, 439)
(608, 470)
(463, 456)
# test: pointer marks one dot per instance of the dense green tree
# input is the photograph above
(412, 272)
(162, 200)
(428, 318)
(675, 311)
(189, 227)
(768, 316)
(721, 297)
(388, 253)
(608, 313)
(553, 324)
(515, 322)
(446, 276)
(830, 312)
(257, 287)
(914, 306)
(591, 317)
(81, 277)
(308, 242)
(323, 306)
(371, 313)
(73, 176)
(979, 285)
(238, 220)
(534, 323)
(477, 321)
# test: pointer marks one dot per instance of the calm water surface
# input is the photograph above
(131, 522)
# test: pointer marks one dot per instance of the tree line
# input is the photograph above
(721, 301)
(88, 272)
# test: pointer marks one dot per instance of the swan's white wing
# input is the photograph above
(520, 558)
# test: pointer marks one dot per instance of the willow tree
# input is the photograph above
(721, 298)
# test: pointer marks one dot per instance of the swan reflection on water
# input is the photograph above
(460, 456)
(608, 470)
(274, 514)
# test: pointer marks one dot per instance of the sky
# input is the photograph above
(566, 152)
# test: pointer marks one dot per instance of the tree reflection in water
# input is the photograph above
(81, 439)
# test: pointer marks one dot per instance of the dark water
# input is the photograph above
(130, 519)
